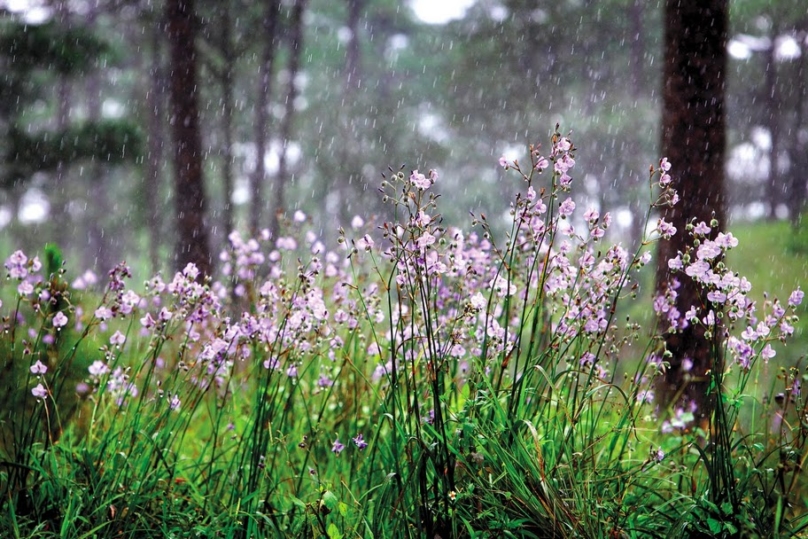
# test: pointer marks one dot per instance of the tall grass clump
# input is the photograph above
(418, 380)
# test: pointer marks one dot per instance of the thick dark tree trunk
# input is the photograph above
(257, 179)
(189, 195)
(295, 48)
(693, 139)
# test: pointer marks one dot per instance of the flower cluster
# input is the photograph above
(727, 296)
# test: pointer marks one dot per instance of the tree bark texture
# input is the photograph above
(189, 196)
(693, 140)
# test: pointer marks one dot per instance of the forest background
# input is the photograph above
(148, 131)
(331, 93)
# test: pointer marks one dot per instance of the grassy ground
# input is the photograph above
(425, 384)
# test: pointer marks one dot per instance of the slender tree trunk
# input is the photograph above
(636, 180)
(637, 47)
(773, 106)
(693, 139)
(265, 69)
(352, 86)
(155, 104)
(226, 83)
(797, 187)
(61, 224)
(98, 247)
(352, 57)
(295, 48)
(189, 195)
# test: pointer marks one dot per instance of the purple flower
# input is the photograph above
(796, 297)
(566, 208)
(687, 364)
(645, 396)
(664, 164)
(175, 403)
(38, 368)
(699, 270)
(708, 250)
(588, 359)
(40, 392)
(103, 313)
(426, 239)
(701, 229)
(665, 228)
(727, 241)
(420, 181)
(16, 265)
(60, 320)
(25, 288)
(147, 321)
(337, 447)
(359, 441)
(749, 334)
(365, 243)
(98, 368)
(767, 353)
(563, 144)
(191, 271)
(117, 339)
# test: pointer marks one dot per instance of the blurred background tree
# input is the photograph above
(302, 106)
(46, 132)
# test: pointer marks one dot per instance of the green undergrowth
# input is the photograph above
(418, 381)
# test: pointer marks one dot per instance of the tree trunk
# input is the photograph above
(797, 187)
(61, 223)
(295, 48)
(226, 83)
(352, 85)
(352, 56)
(155, 104)
(189, 195)
(773, 107)
(98, 252)
(693, 139)
(258, 177)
